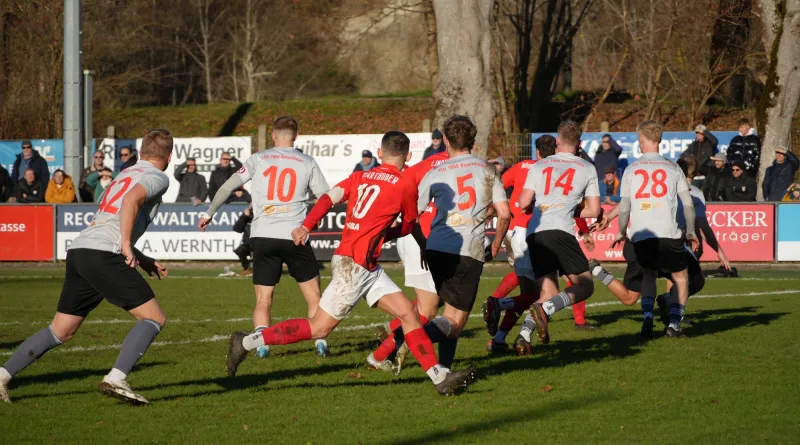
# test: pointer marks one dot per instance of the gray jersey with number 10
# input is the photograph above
(282, 178)
(104, 231)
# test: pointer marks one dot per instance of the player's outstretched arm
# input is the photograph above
(131, 203)
(233, 183)
(526, 199)
(689, 216)
(315, 215)
(592, 209)
(711, 239)
(624, 215)
(503, 221)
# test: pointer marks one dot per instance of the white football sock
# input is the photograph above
(437, 373)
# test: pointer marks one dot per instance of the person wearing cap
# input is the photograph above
(716, 177)
(436, 145)
(740, 187)
(780, 175)
(702, 148)
(793, 194)
(745, 147)
(607, 155)
(30, 159)
(367, 163)
(499, 164)
(609, 188)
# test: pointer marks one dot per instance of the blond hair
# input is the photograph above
(651, 130)
(569, 133)
(157, 143)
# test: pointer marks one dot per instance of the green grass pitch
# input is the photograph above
(734, 380)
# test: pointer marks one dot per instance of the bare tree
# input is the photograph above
(464, 41)
(204, 47)
(779, 100)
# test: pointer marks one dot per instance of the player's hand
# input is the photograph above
(153, 268)
(12, 199)
(248, 211)
(618, 242)
(205, 221)
(723, 259)
(695, 243)
(130, 257)
(601, 224)
(495, 250)
(299, 236)
(588, 241)
(423, 260)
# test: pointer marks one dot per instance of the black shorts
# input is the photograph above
(556, 252)
(269, 255)
(456, 278)
(634, 272)
(93, 275)
(661, 254)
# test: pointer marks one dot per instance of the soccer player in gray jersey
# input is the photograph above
(650, 187)
(101, 264)
(556, 187)
(463, 189)
(282, 178)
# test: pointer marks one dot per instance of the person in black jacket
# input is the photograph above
(244, 251)
(228, 165)
(436, 145)
(30, 158)
(745, 147)
(780, 175)
(716, 177)
(607, 156)
(239, 195)
(740, 187)
(6, 186)
(368, 162)
(30, 189)
(128, 157)
(702, 148)
(193, 185)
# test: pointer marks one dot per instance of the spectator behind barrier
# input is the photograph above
(745, 147)
(99, 182)
(128, 157)
(499, 164)
(7, 188)
(607, 156)
(30, 158)
(239, 195)
(609, 188)
(244, 251)
(793, 194)
(716, 178)
(87, 193)
(702, 148)
(780, 175)
(740, 187)
(60, 190)
(222, 173)
(367, 163)
(193, 185)
(30, 189)
(436, 145)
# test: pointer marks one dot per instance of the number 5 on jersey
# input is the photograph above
(463, 189)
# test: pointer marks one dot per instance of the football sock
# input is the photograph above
(676, 311)
(395, 324)
(421, 347)
(647, 306)
(438, 329)
(135, 345)
(5, 377)
(579, 312)
(447, 351)
(390, 344)
(507, 284)
(500, 336)
(506, 303)
(283, 333)
(556, 303)
(30, 350)
(321, 341)
(602, 275)
(527, 328)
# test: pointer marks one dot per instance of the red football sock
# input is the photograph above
(387, 347)
(507, 284)
(420, 345)
(579, 312)
(287, 332)
(396, 323)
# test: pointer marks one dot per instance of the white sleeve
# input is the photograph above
(498, 192)
(248, 169)
(625, 187)
(592, 188)
(424, 190)
(317, 181)
(683, 184)
(154, 184)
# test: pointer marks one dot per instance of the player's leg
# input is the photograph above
(627, 292)
(267, 269)
(675, 262)
(697, 282)
(303, 267)
(427, 305)
(579, 312)
(517, 249)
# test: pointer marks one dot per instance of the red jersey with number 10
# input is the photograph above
(416, 172)
(374, 200)
(515, 177)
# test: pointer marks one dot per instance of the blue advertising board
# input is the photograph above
(787, 246)
(52, 150)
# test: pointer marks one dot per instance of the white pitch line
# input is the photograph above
(211, 277)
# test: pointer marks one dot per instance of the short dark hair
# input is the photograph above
(191, 159)
(744, 121)
(546, 145)
(59, 171)
(570, 133)
(157, 143)
(285, 124)
(106, 169)
(395, 143)
(688, 165)
(460, 132)
(127, 147)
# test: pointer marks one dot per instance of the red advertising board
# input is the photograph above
(746, 232)
(26, 232)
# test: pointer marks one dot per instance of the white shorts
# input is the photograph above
(350, 283)
(509, 248)
(522, 261)
(416, 276)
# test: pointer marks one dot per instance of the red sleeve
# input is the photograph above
(408, 206)
(347, 184)
(320, 209)
(583, 227)
(510, 175)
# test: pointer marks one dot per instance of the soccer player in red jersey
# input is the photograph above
(374, 201)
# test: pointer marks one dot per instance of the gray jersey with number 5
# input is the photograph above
(652, 183)
(559, 182)
(462, 189)
(282, 179)
(104, 231)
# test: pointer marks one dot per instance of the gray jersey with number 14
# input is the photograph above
(104, 231)
(282, 179)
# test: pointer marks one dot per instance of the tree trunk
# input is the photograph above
(779, 100)
(464, 41)
(433, 52)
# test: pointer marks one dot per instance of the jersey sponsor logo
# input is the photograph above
(454, 220)
(242, 170)
(645, 206)
(353, 226)
(269, 210)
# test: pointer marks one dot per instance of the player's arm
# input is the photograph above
(503, 212)
(131, 203)
(711, 239)
(688, 210)
(337, 194)
(592, 209)
(317, 183)
(410, 216)
(238, 179)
